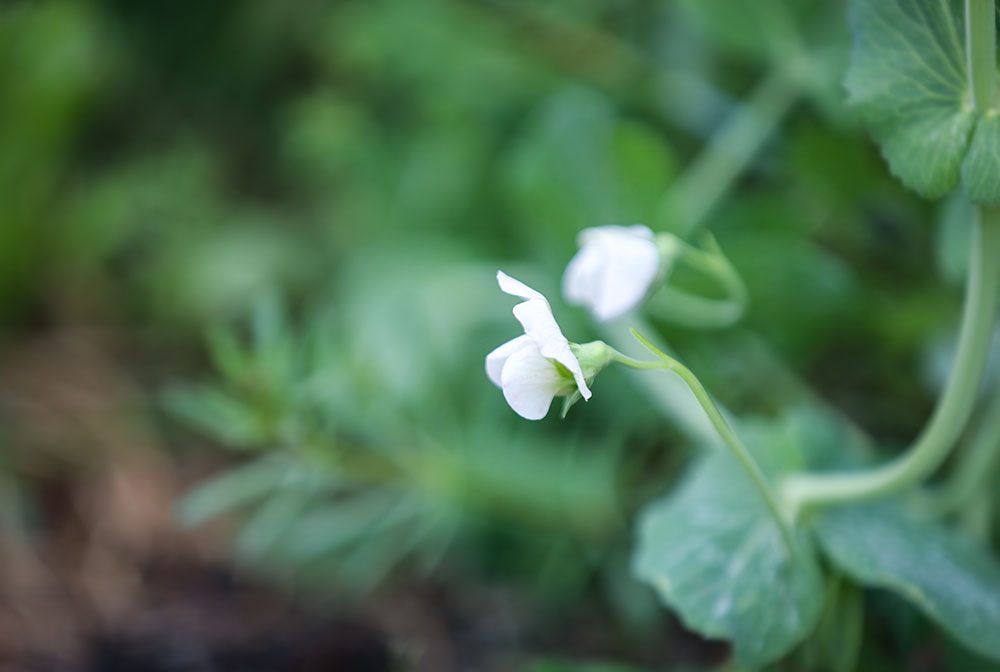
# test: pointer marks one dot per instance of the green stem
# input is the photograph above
(975, 467)
(955, 406)
(697, 312)
(729, 437)
(705, 182)
(981, 51)
(667, 393)
(710, 176)
(953, 410)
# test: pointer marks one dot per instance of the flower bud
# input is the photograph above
(613, 270)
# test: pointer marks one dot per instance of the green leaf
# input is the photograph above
(235, 488)
(714, 553)
(981, 170)
(579, 163)
(953, 581)
(217, 413)
(908, 80)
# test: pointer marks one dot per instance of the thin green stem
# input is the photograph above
(706, 181)
(668, 394)
(981, 51)
(695, 312)
(955, 406)
(956, 403)
(726, 432)
(975, 466)
(712, 173)
(682, 307)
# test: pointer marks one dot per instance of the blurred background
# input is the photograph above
(247, 282)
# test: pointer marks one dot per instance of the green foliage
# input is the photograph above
(739, 26)
(579, 163)
(950, 579)
(714, 552)
(358, 476)
(908, 78)
(50, 60)
(168, 170)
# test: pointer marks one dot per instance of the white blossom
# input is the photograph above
(613, 270)
(539, 365)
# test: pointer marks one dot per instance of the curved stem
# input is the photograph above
(729, 437)
(953, 410)
(682, 307)
(668, 394)
(955, 406)
(682, 211)
(976, 464)
(679, 307)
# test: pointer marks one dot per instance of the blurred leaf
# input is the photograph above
(270, 522)
(788, 274)
(220, 270)
(909, 80)
(227, 354)
(216, 413)
(738, 26)
(447, 50)
(714, 553)
(236, 488)
(953, 581)
(578, 164)
(53, 59)
(332, 527)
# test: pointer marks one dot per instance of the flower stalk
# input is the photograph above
(739, 451)
(691, 310)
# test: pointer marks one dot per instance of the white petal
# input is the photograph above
(530, 382)
(536, 318)
(535, 315)
(613, 269)
(515, 287)
(496, 359)
(583, 276)
(640, 231)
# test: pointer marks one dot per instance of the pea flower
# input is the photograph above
(613, 270)
(539, 365)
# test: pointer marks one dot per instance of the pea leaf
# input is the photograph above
(909, 81)
(953, 581)
(713, 552)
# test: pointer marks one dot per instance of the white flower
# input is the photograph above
(613, 270)
(538, 366)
